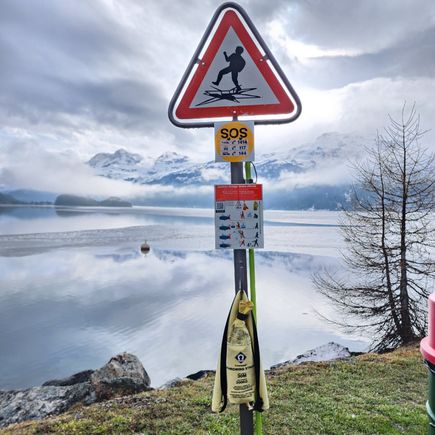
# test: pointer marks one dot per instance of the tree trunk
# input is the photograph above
(385, 252)
(406, 334)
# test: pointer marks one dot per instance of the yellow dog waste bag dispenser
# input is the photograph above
(239, 375)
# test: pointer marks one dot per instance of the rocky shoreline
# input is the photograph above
(123, 375)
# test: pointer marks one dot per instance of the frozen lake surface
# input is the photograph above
(75, 289)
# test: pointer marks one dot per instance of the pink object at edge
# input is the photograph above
(427, 345)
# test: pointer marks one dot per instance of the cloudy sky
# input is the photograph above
(85, 76)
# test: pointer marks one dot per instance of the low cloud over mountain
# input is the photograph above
(315, 175)
(312, 175)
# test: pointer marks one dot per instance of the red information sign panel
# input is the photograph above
(239, 216)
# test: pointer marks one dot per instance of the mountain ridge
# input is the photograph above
(175, 169)
(313, 175)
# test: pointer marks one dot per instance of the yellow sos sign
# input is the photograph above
(234, 141)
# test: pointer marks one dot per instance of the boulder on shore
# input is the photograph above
(192, 377)
(76, 378)
(122, 375)
(327, 352)
(39, 402)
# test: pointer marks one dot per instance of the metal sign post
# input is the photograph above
(234, 76)
(241, 283)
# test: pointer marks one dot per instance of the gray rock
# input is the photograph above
(76, 378)
(39, 402)
(327, 352)
(171, 384)
(123, 374)
(199, 375)
(193, 377)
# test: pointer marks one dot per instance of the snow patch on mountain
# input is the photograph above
(120, 158)
(170, 161)
(121, 165)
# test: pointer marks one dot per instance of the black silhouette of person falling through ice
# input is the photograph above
(237, 63)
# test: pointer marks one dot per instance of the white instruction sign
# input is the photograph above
(239, 216)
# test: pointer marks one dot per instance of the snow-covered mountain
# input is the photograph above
(120, 165)
(120, 158)
(170, 161)
(169, 168)
(330, 150)
(313, 175)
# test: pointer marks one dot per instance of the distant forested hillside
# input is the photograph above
(8, 199)
(81, 201)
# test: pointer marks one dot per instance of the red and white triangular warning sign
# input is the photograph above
(233, 74)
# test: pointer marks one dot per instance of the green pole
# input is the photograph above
(253, 294)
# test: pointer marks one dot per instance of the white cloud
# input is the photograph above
(211, 174)
(296, 48)
(357, 26)
(367, 104)
(359, 108)
(29, 167)
(323, 175)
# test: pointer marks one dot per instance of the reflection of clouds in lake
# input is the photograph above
(69, 299)
(286, 304)
(307, 240)
(68, 310)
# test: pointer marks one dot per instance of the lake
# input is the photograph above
(75, 289)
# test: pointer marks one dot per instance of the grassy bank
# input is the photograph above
(368, 394)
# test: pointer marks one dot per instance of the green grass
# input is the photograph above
(369, 394)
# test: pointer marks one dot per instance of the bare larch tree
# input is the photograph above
(388, 232)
